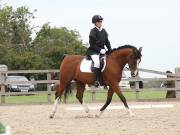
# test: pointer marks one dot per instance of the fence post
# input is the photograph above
(93, 91)
(49, 88)
(93, 96)
(177, 83)
(137, 89)
(2, 79)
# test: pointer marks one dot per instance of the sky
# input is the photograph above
(153, 25)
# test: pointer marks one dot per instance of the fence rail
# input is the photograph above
(49, 81)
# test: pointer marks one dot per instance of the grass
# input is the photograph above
(26, 99)
(100, 96)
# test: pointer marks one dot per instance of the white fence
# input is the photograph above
(49, 81)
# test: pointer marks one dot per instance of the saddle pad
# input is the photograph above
(86, 65)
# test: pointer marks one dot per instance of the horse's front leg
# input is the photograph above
(118, 91)
(108, 101)
(79, 95)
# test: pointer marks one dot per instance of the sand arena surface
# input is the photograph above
(33, 120)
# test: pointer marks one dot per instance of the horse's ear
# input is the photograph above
(140, 49)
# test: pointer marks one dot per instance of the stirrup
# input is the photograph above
(96, 83)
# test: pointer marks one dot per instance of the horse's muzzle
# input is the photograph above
(133, 75)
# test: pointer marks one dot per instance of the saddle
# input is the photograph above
(87, 65)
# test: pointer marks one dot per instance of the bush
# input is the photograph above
(2, 128)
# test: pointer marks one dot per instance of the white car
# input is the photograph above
(3, 67)
(123, 83)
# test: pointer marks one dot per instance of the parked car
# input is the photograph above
(133, 83)
(18, 85)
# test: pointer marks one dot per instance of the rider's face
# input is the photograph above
(99, 24)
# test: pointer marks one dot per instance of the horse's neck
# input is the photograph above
(121, 57)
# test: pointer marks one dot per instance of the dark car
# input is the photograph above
(21, 84)
(133, 83)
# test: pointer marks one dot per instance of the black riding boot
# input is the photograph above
(97, 73)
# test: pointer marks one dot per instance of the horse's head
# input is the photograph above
(133, 61)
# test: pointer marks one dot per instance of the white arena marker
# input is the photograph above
(122, 107)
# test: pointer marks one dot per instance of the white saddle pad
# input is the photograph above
(86, 65)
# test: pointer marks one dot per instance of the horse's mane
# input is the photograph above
(121, 47)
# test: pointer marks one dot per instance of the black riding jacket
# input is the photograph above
(97, 40)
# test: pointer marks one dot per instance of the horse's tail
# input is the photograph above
(64, 56)
(68, 91)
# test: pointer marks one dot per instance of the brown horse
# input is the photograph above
(111, 76)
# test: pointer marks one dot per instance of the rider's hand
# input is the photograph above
(103, 51)
(109, 51)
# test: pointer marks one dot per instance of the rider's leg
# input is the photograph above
(97, 71)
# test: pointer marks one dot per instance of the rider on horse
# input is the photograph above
(98, 38)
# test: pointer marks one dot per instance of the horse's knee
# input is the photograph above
(56, 94)
(108, 101)
(79, 98)
(57, 85)
(59, 89)
(123, 99)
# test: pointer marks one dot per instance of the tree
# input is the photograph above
(15, 27)
(15, 37)
(19, 51)
(53, 43)
(21, 28)
(27, 60)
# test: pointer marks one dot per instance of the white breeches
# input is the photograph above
(95, 58)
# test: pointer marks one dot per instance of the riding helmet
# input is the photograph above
(96, 18)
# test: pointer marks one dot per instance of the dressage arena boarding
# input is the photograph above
(151, 118)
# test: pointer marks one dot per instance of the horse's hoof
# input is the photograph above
(132, 115)
(51, 116)
(87, 111)
(97, 116)
(90, 116)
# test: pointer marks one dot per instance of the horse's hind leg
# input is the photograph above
(59, 88)
(108, 101)
(79, 95)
